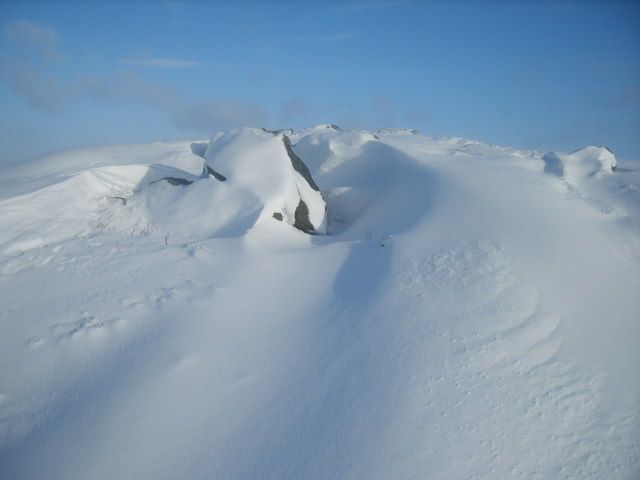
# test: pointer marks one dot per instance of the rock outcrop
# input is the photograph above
(263, 164)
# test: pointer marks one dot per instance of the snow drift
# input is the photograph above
(266, 180)
(587, 162)
(471, 313)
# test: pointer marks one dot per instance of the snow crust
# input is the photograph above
(472, 312)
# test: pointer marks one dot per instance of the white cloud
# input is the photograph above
(42, 38)
(37, 88)
(128, 87)
(219, 114)
(30, 51)
(201, 116)
(158, 62)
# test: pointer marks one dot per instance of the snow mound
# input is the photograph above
(38, 173)
(76, 207)
(324, 148)
(583, 163)
(263, 165)
(266, 180)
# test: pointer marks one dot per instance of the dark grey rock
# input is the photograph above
(207, 170)
(298, 165)
(278, 216)
(286, 131)
(174, 181)
(302, 221)
(613, 167)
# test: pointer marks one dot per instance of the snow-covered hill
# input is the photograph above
(320, 304)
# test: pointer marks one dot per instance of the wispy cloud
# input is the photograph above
(202, 116)
(366, 6)
(297, 109)
(28, 69)
(158, 62)
(128, 87)
(219, 114)
(37, 88)
(40, 37)
(29, 62)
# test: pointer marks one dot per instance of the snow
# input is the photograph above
(75, 206)
(257, 162)
(583, 163)
(472, 312)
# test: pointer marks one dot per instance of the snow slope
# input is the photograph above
(473, 311)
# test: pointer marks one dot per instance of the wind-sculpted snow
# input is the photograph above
(587, 162)
(262, 163)
(171, 202)
(472, 311)
(592, 174)
(77, 206)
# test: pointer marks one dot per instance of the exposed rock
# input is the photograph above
(284, 131)
(302, 221)
(264, 175)
(298, 165)
(399, 131)
(614, 165)
(174, 181)
(207, 170)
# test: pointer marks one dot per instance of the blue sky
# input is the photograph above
(545, 75)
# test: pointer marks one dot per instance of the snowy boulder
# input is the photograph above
(584, 163)
(263, 165)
